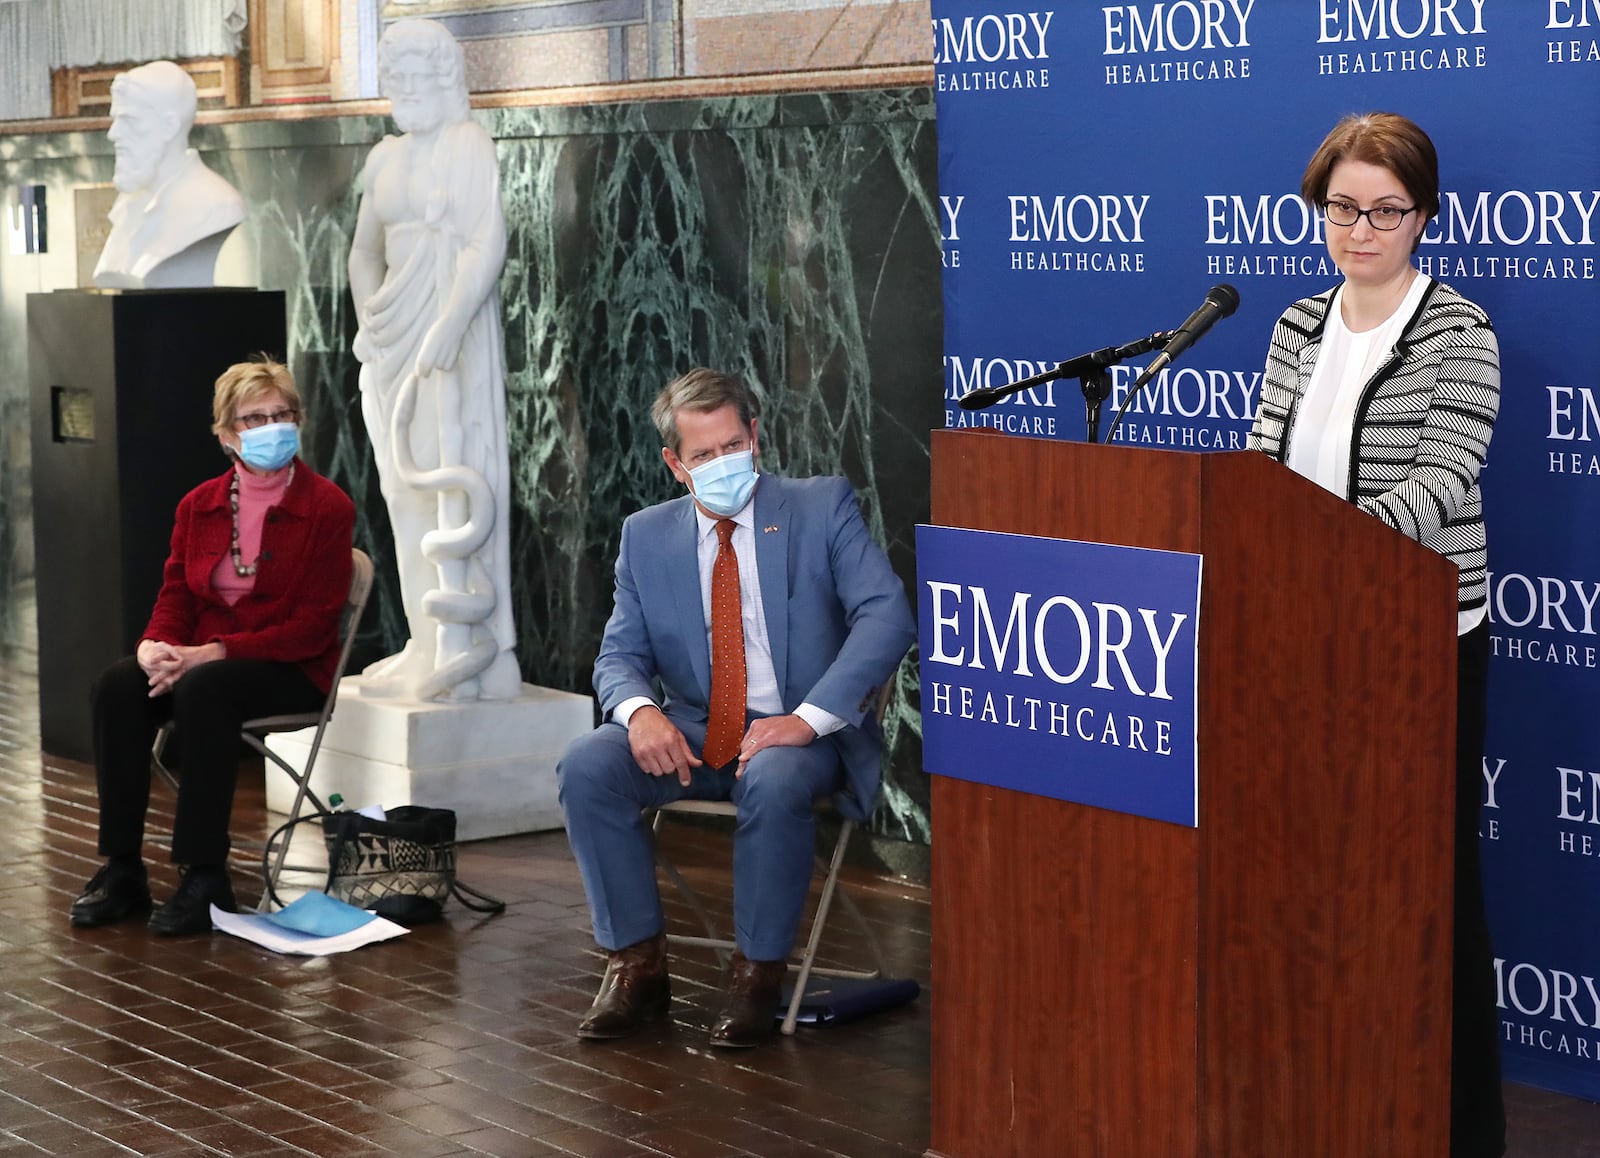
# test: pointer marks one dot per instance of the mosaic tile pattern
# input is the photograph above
(793, 238)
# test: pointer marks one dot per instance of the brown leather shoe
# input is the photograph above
(749, 1017)
(635, 990)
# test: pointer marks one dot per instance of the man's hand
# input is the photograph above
(773, 732)
(658, 747)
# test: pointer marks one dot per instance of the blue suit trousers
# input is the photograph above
(604, 792)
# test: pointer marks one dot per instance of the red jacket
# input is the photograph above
(302, 576)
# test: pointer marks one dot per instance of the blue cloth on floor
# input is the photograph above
(319, 915)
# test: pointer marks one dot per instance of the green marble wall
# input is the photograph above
(793, 238)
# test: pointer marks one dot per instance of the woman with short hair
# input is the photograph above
(246, 625)
(1384, 390)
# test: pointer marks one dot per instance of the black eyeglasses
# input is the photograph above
(257, 420)
(1381, 217)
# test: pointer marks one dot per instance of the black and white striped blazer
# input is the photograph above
(1422, 425)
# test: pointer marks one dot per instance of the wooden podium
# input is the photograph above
(1275, 982)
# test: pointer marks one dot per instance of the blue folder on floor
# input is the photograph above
(831, 1000)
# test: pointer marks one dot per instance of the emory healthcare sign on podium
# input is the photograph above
(1061, 669)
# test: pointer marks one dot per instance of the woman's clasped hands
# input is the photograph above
(166, 663)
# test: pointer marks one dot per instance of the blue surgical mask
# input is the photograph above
(270, 447)
(724, 485)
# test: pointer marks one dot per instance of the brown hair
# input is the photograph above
(243, 381)
(1388, 140)
(700, 390)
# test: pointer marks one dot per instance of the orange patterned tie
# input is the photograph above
(725, 729)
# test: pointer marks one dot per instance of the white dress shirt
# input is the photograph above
(762, 695)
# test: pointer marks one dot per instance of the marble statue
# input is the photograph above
(425, 263)
(172, 214)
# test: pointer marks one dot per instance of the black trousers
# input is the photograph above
(208, 704)
(1477, 1111)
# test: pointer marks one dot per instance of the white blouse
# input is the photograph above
(1324, 427)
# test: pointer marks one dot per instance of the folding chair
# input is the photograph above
(254, 732)
(723, 946)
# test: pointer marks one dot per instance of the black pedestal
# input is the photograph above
(121, 389)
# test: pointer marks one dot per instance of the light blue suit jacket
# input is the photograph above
(837, 616)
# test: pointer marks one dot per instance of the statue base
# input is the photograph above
(492, 761)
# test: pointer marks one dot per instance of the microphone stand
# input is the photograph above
(1096, 386)
(1092, 371)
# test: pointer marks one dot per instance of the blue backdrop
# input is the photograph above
(1101, 166)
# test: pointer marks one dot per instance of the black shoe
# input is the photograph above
(636, 989)
(750, 1015)
(116, 892)
(189, 910)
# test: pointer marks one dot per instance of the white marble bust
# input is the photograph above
(172, 214)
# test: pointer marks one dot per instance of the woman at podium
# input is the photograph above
(245, 626)
(1384, 390)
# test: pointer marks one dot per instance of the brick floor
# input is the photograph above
(452, 1040)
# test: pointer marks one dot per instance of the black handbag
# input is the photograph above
(402, 867)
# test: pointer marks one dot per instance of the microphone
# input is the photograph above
(982, 396)
(1221, 301)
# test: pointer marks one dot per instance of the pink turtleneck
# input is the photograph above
(257, 494)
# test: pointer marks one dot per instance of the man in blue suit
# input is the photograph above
(755, 620)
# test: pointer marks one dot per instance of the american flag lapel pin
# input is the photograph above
(769, 529)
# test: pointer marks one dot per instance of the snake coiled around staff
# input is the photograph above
(477, 602)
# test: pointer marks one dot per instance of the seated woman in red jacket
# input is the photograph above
(246, 625)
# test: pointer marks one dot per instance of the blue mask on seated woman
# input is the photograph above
(270, 447)
(723, 485)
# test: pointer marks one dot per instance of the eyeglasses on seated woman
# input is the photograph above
(245, 625)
